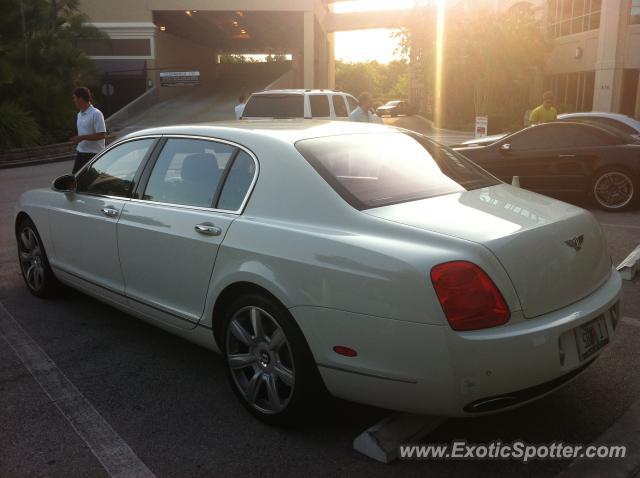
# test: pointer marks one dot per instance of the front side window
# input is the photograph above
(610, 123)
(319, 106)
(353, 103)
(274, 106)
(536, 137)
(339, 107)
(372, 170)
(188, 172)
(113, 173)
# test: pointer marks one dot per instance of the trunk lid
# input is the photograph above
(527, 232)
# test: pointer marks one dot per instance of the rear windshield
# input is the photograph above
(275, 106)
(373, 170)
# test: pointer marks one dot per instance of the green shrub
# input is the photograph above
(18, 128)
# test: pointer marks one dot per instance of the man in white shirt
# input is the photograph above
(91, 129)
(363, 113)
(239, 109)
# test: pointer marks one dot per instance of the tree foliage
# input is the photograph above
(384, 82)
(489, 62)
(41, 63)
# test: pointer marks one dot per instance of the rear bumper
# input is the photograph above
(432, 369)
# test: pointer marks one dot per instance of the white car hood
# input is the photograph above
(527, 232)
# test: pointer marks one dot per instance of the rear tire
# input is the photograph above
(269, 364)
(34, 265)
(614, 189)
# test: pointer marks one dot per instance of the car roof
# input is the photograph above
(288, 131)
(602, 114)
(297, 91)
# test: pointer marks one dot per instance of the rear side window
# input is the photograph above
(339, 106)
(319, 106)
(275, 106)
(188, 172)
(606, 122)
(559, 135)
(238, 182)
(372, 170)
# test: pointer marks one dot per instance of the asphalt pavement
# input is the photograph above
(169, 402)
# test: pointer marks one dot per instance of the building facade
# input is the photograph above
(143, 39)
(594, 62)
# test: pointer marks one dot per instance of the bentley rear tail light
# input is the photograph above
(469, 298)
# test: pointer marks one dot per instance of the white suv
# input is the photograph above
(308, 104)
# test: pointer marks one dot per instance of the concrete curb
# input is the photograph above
(35, 162)
(442, 130)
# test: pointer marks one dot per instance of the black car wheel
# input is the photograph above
(614, 189)
(36, 272)
(269, 364)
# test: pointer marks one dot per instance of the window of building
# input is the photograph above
(572, 91)
(120, 47)
(635, 11)
(566, 17)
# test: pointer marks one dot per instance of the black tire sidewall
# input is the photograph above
(307, 387)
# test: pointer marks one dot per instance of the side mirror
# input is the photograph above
(505, 148)
(65, 184)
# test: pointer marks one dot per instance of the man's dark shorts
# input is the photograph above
(81, 160)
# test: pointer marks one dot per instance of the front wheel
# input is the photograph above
(36, 272)
(269, 364)
(613, 189)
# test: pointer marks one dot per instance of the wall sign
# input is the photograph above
(179, 78)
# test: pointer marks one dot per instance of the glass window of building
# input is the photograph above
(566, 17)
(635, 11)
(572, 91)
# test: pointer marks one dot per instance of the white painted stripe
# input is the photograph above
(117, 458)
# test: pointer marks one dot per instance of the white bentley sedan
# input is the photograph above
(359, 259)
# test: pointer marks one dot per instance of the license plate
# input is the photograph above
(591, 337)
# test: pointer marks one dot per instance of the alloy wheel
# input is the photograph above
(260, 360)
(31, 259)
(613, 190)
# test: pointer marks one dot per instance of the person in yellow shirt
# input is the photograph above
(545, 113)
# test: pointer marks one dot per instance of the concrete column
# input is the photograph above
(309, 49)
(331, 67)
(609, 60)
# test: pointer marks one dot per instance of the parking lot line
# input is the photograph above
(117, 458)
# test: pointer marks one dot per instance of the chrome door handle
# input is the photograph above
(208, 229)
(109, 211)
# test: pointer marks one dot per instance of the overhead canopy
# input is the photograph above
(237, 32)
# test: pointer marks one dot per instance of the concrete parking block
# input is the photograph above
(381, 441)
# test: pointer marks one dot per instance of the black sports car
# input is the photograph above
(567, 159)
